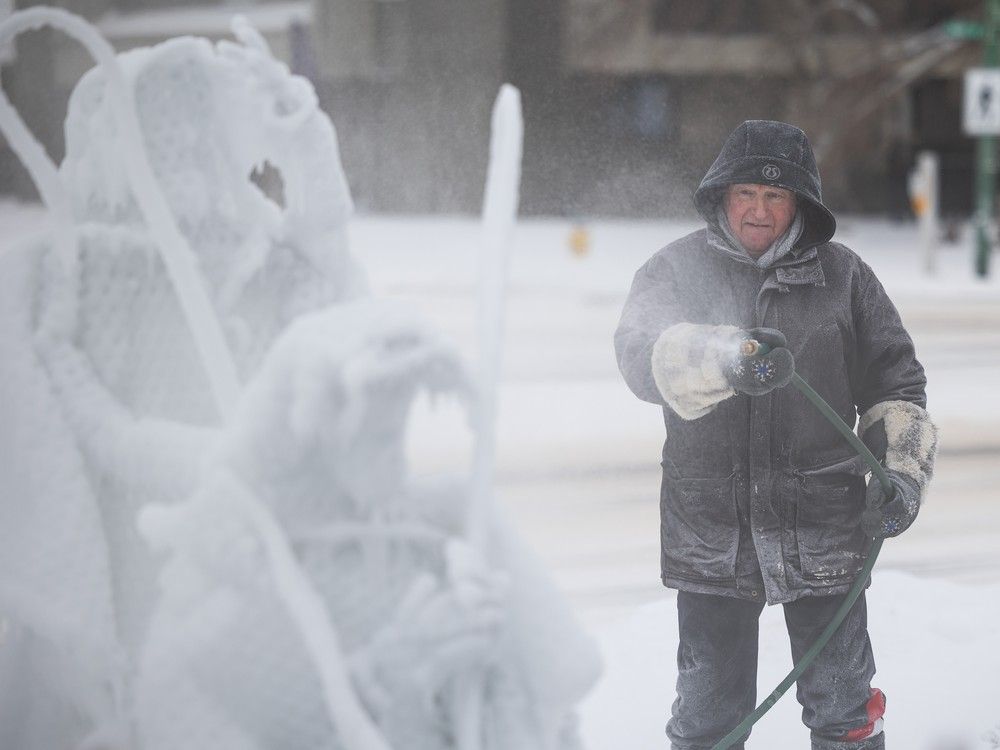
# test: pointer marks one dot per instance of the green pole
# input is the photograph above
(986, 162)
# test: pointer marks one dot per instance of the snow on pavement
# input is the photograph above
(940, 671)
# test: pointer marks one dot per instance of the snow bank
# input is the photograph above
(935, 649)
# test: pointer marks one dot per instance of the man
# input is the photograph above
(762, 500)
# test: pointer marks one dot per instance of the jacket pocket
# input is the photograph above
(829, 504)
(699, 528)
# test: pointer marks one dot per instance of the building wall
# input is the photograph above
(708, 65)
(625, 104)
(413, 118)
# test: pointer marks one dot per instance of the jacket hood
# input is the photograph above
(767, 152)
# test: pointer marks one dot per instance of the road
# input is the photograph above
(597, 531)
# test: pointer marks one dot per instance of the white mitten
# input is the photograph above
(689, 366)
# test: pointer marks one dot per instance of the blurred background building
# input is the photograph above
(626, 101)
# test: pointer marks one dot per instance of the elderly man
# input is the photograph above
(762, 500)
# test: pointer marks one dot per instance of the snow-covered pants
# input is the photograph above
(717, 670)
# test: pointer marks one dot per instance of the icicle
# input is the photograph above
(499, 214)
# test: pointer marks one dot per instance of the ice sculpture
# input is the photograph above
(208, 536)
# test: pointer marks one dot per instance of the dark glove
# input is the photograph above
(761, 373)
(884, 517)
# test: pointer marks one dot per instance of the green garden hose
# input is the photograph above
(859, 584)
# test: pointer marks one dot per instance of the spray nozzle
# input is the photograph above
(754, 348)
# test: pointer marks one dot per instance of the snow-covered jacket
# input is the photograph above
(761, 496)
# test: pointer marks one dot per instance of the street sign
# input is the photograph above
(962, 29)
(981, 113)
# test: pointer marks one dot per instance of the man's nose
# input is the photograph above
(759, 206)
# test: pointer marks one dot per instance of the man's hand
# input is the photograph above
(885, 517)
(903, 437)
(762, 372)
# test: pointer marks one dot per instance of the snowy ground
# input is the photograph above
(578, 461)
(578, 466)
(935, 648)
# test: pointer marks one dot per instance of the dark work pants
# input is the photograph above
(717, 670)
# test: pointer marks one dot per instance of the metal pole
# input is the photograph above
(923, 188)
(928, 167)
(986, 163)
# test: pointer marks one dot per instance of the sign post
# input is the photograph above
(981, 118)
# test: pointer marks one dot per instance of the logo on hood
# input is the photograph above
(770, 172)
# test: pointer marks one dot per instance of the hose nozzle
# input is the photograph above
(753, 348)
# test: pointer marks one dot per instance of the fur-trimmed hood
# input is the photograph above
(767, 152)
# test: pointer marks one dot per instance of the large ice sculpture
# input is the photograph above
(237, 560)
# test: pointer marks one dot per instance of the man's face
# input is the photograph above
(759, 214)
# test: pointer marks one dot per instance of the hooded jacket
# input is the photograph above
(761, 498)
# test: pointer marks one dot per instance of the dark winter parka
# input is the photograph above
(761, 497)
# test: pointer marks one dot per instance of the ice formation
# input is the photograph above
(213, 542)
(499, 216)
